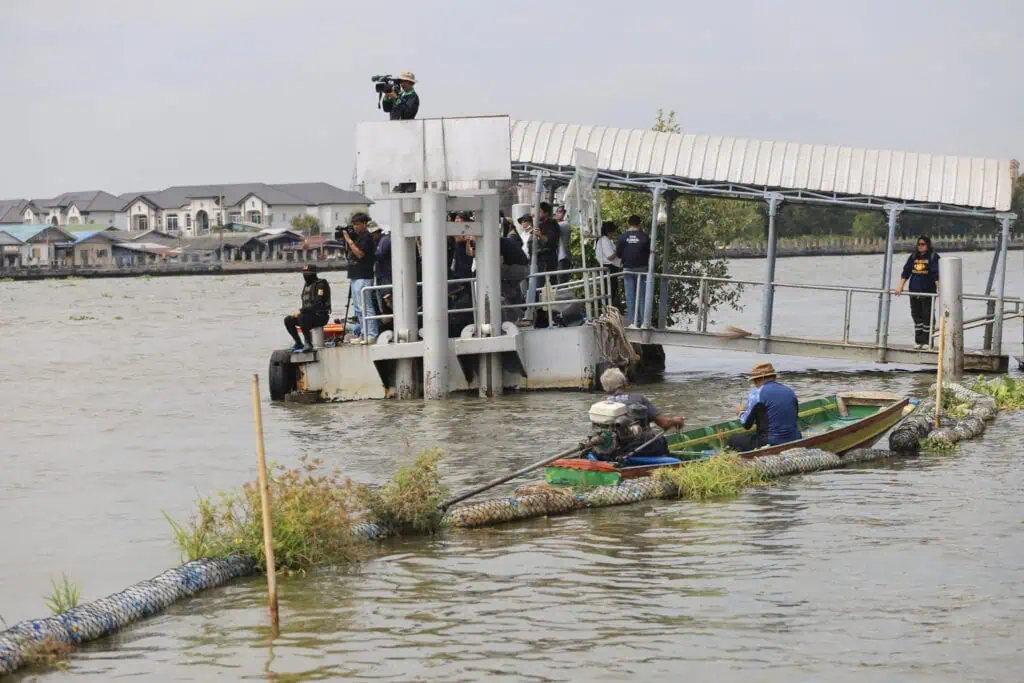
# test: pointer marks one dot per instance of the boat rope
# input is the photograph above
(612, 343)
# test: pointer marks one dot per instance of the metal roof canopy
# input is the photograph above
(716, 166)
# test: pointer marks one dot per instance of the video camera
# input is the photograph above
(339, 234)
(384, 84)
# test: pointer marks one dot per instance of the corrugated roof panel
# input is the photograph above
(885, 174)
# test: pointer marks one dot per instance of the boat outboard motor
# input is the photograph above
(617, 426)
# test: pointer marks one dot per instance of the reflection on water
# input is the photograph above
(907, 571)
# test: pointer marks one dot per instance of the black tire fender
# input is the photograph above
(281, 375)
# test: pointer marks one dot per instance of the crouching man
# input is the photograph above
(315, 310)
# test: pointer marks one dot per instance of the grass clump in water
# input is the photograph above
(312, 515)
(64, 597)
(721, 476)
(938, 446)
(48, 654)
(409, 501)
(1008, 393)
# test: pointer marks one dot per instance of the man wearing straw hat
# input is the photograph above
(772, 406)
(402, 105)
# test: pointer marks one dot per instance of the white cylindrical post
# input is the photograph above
(768, 300)
(488, 278)
(648, 302)
(435, 295)
(403, 298)
(885, 306)
(997, 324)
(951, 301)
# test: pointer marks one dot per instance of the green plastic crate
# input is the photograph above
(564, 476)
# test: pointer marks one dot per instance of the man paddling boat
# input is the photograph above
(770, 405)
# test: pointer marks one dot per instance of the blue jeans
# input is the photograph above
(634, 283)
(372, 326)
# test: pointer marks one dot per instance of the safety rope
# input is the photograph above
(611, 339)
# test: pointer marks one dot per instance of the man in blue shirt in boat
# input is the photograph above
(772, 406)
(647, 449)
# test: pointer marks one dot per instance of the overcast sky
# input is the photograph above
(132, 95)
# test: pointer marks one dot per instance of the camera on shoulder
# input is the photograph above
(384, 84)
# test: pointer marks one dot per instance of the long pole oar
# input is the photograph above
(518, 473)
(268, 542)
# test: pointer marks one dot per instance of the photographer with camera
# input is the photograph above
(400, 99)
(361, 256)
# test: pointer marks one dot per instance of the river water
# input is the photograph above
(125, 398)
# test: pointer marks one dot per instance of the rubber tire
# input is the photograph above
(281, 375)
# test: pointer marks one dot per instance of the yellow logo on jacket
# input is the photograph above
(921, 267)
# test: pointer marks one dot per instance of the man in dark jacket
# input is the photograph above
(403, 105)
(634, 248)
(547, 235)
(772, 406)
(922, 270)
(382, 270)
(315, 310)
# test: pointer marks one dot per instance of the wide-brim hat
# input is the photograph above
(762, 371)
(525, 217)
(407, 76)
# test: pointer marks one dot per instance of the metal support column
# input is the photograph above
(997, 326)
(768, 300)
(951, 304)
(488, 277)
(990, 307)
(886, 302)
(663, 291)
(403, 298)
(649, 291)
(531, 290)
(435, 295)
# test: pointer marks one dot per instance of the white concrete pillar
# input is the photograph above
(403, 298)
(951, 305)
(435, 295)
(488, 282)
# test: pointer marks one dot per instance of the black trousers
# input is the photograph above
(307, 320)
(921, 312)
(616, 285)
(747, 441)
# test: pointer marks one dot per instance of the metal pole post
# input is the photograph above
(435, 295)
(403, 298)
(951, 302)
(883, 316)
(488, 277)
(663, 292)
(990, 307)
(531, 290)
(649, 291)
(769, 276)
(997, 326)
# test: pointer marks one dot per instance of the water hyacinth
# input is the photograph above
(721, 476)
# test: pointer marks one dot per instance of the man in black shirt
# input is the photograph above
(404, 104)
(515, 267)
(315, 310)
(634, 248)
(361, 257)
(382, 270)
(548, 235)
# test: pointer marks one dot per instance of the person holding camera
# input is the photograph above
(402, 103)
(361, 257)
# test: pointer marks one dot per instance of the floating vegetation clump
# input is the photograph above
(64, 597)
(80, 317)
(721, 476)
(312, 515)
(938, 445)
(409, 501)
(48, 654)
(1007, 392)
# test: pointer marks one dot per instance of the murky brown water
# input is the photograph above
(912, 571)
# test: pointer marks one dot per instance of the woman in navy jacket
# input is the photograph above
(922, 271)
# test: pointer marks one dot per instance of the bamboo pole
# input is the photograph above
(261, 465)
(938, 381)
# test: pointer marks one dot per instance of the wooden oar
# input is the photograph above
(575, 450)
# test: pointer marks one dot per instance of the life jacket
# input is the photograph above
(316, 297)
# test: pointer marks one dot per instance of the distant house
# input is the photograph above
(236, 247)
(10, 250)
(43, 245)
(95, 249)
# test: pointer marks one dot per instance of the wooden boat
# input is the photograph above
(837, 423)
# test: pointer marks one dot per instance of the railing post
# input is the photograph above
(649, 291)
(768, 298)
(846, 316)
(883, 314)
(997, 328)
(990, 307)
(951, 301)
(531, 290)
(663, 292)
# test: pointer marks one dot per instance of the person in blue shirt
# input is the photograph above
(772, 407)
(922, 272)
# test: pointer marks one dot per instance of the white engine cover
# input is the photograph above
(605, 413)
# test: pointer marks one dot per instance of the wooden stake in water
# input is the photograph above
(938, 380)
(261, 466)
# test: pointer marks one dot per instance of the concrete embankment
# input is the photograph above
(242, 268)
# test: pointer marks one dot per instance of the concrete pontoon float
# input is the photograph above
(459, 164)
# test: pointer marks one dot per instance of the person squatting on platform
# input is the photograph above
(315, 310)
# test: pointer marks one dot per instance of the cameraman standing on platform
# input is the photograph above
(403, 104)
(361, 256)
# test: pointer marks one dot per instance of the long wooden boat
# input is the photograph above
(837, 424)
